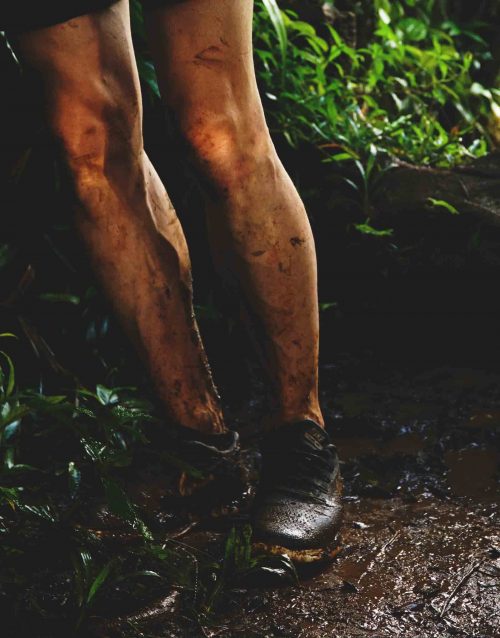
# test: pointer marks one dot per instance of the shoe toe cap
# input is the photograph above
(298, 525)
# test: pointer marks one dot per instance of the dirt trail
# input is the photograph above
(421, 553)
(420, 454)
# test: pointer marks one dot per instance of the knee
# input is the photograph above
(229, 148)
(99, 135)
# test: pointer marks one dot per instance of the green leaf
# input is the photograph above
(12, 415)
(45, 512)
(106, 396)
(278, 22)
(60, 297)
(414, 29)
(147, 74)
(441, 203)
(327, 305)
(120, 504)
(74, 479)
(99, 581)
(137, 19)
(384, 16)
(118, 501)
(366, 229)
(10, 430)
(11, 377)
(342, 157)
(22, 467)
(11, 495)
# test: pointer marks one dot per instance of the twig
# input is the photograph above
(460, 583)
(166, 606)
(381, 552)
(389, 542)
(183, 532)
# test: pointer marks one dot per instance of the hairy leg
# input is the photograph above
(258, 225)
(124, 216)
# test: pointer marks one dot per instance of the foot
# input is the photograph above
(298, 506)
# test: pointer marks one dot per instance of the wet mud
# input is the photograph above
(421, 550)
(420, 556)
(421, 539)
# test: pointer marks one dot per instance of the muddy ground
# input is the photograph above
(421, 548)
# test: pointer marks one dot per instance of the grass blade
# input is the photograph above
(276, 18)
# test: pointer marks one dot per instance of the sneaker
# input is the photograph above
(298, 506)
(209, 452)
(212, 476)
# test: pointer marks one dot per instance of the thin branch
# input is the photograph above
(461, 582)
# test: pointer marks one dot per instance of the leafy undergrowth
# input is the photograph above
(75, 545)
(411, 92)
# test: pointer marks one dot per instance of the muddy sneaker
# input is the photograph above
(210, 455)
(211, 446)
(213, 476)
(298, 506)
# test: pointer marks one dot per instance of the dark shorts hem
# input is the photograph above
(17, 16)
(27, 15)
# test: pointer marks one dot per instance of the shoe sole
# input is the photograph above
(301, 556)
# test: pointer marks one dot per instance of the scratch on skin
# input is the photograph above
(297, 241)
(258, 253)
(209, 57)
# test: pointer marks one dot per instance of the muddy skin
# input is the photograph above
(258, 228)
(132, 234)
(258, 225)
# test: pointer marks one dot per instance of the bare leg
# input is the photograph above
(259, 228)
(127, 222)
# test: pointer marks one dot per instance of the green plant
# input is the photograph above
(409, 94)
(239, 566)
(57, 453)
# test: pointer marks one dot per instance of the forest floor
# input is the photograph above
(421, 542)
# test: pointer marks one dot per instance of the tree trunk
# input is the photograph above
(471, 189)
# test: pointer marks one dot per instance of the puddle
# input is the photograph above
(397, 573)
(474, 472)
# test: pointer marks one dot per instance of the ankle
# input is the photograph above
(205, 422)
